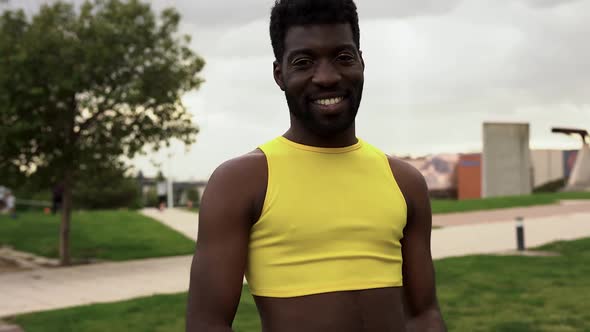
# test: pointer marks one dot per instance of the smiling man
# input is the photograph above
(331, 233)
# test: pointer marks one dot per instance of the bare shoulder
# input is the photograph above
(242, 168)
(239, 182)
(410, 181)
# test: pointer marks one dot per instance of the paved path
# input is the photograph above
(53, 288)
(182, 221)
(503, 215)
(501, 236)
(45, 289)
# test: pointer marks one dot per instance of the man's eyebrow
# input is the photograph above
(347, 47)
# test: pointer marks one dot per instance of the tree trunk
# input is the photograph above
(66, 214)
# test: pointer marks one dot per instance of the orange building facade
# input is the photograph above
(469, 176)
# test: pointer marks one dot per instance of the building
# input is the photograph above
(180, 190)
(460, 176)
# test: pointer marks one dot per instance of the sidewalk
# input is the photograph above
(510, 214)
(182, 221)
(46, 289)
(483, 238)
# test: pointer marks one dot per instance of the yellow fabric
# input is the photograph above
(332, 220)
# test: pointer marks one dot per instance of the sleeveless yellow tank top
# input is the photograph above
(332, 220)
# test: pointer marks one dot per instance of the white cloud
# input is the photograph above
(430, 82)
(435, 71)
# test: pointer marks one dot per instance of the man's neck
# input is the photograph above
(302, 136)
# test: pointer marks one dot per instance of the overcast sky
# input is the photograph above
(435, 70)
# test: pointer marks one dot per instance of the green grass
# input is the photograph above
(161, 313)
(516, 293)
(106, 235)
(448, 206)
(476, 294)
(193, 209)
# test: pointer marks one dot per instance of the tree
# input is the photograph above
(82, 87)
(194, 196)
(107, 189)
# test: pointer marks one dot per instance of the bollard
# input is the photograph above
(519, 234)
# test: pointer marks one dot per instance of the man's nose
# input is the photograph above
(326, 74)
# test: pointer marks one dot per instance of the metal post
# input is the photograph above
(170, 192)
(520, 233)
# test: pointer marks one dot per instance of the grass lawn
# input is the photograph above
(447, 206)
(518, 294)
(476, 293)
(106, 235)
(161, 313)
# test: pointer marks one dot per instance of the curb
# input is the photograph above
(10, 328)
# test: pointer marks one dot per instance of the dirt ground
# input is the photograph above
(8, 266)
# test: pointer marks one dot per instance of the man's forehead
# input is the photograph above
(319, 35)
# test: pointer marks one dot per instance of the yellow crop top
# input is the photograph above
(332, 220)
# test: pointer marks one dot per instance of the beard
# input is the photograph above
(323, 125)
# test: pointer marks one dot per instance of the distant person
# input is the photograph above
(332, 234)
(57, 198)
(10, 204)
(162, 189)
(2, 197)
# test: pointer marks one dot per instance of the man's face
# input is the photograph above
(322, 76)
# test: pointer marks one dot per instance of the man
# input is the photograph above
(2, 198)
(162, 190)
(10, 201)
(326, 228)
(57, 198)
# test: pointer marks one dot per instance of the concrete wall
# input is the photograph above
(547, 166)
(580, 177)
(506, 159)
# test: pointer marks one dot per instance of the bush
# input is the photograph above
(121, 193)
(107, 189)
(551, 187)
(151, 198)
(193, 195)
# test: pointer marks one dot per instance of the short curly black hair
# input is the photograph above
(288, 13)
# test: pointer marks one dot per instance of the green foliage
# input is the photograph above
(194, 195)
(151, 199)
(551, 187)
(82, 87)
(79, 88)
(107, 235)
(108, 189)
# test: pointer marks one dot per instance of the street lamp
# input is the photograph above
(580, 174)
(170, 190)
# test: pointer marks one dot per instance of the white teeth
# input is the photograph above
(329, 101)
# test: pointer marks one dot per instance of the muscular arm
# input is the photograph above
(227, 212)
(418, 270)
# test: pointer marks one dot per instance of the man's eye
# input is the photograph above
(345, 57)
(301, 62)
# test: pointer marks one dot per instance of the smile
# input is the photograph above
(328, 101)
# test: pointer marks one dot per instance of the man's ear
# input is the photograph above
(278, 74)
